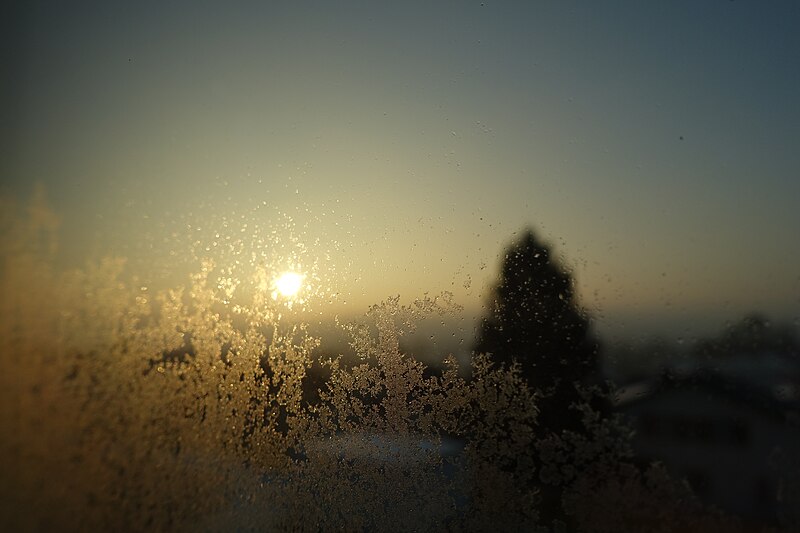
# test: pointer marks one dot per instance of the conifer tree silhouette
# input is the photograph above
(533, 319)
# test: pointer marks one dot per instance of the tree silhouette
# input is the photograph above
(753, 335)
(535, 321)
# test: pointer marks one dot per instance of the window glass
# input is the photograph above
(399, 265)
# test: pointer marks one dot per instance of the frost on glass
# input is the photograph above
(176, 409)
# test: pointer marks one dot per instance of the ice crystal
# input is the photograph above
(130, 408)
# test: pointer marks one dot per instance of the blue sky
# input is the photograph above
(399, 145)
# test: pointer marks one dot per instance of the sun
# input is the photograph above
(289, 284)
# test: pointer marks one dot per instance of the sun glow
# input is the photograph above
(289, 284)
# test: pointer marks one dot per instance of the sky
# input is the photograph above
(385, 148)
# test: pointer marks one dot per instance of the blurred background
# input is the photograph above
(397, 149)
